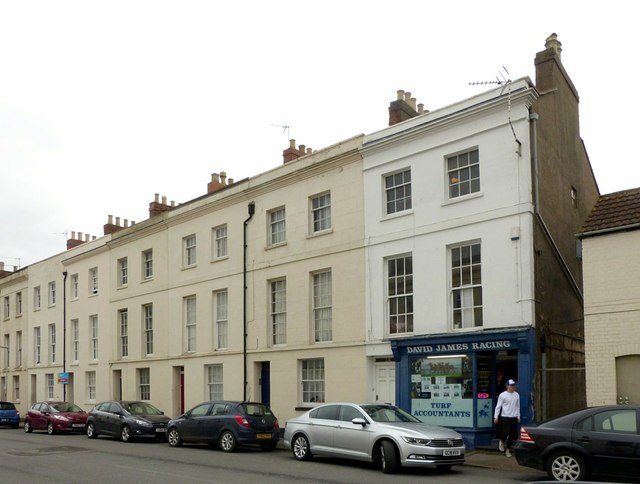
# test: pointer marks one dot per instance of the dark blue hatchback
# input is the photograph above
(9, 415)
(227, 424)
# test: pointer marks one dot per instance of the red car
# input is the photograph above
(55, 417)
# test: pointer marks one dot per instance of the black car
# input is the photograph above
(598, 440)
(227, 424)
(127, 420)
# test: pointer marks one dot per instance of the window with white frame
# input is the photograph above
(123, 319)
(16, 388)
(147, 315)
(397, 188)
(36, 298)
(7, 358)
(37, 348)
(18, 349)
(321, 212)
(278, 312)
(466, 286)
(123, 272)
(147, 264)
(50, 385)
(189, 250)
(52, 293)
(190, 323)
(220, 241)
(93, 281)
(220, 301)
(52, 343)
(144, 384)
(400, 294)
(91, 385)
(74, 286)
(312, 380)
(215, 382)
(6, 307)
(463, 173)
(75, 340)
(18, 304)
(322, 306)
(93, 336)
(277, 226)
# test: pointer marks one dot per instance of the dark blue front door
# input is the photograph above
(265, 381)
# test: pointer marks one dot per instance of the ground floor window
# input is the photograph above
(91, 385)
(144, 384)
(215, 382)
(50, 385)
(312, 380)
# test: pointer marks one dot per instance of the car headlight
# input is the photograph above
(60, 417)
(143, 422)
(416, 440)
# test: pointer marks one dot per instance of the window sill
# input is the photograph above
(320, 233)
(275, 246)
(219, 259)
(146, 279)
(471, 196)
(393, 216)
(192, 266)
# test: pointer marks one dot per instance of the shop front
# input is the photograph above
(454, 380)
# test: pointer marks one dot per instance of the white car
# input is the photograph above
(379, 433)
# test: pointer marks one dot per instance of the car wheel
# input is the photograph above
(227, 441)
(91, 431)
(174, 439)
(50, 429)
(125, 433)
(388, 457)
(27, 427)
(300, 447)
(566, 466)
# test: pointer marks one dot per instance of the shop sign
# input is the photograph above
(503, 344)
(452, 413)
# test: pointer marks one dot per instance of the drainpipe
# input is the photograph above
(251, 208)
(64, 333)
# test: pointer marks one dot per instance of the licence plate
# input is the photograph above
(451, 452)
(161, 430)
(263, 436)
(3, 420)
(78, 425)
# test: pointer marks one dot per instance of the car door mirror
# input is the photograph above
(359, 421)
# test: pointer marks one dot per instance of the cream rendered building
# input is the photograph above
(157, 311)
(610, 240)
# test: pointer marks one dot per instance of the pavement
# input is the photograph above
(493, 459)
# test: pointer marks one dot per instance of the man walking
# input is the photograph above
(507, 414)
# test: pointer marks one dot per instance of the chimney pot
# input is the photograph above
(118, 221)
(110, 219)
(407, 97)
(86, 237)
(230, 181)
(400, 95)
(157, 199)
(126, 223)
(421, 108)
(223, 177)
(301, 148)
(94, 237)
(292, 144)
(553, 44)
(173, 203)
(309, 151)
(79, 235)
(164, 200)
(413, 103)
(73, 234)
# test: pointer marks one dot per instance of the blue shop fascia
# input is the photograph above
(453, 380)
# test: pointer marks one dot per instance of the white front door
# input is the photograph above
(385, 391)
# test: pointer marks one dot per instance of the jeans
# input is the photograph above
(509, 430)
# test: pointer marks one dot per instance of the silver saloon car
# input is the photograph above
(379, 433)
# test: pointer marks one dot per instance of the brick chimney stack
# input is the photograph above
(74, 241)
(157, 207)
(403, 108)
(218, 182)
(293, 153)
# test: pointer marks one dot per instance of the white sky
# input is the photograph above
(105, 103)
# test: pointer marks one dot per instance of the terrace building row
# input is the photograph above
(423, 265)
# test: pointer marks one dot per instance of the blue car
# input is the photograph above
(9, 415)
(227, 424)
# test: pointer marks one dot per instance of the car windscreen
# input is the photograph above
(64, 407)
(7, 406)
(255, 409)
(140, 408)
(386, 413)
